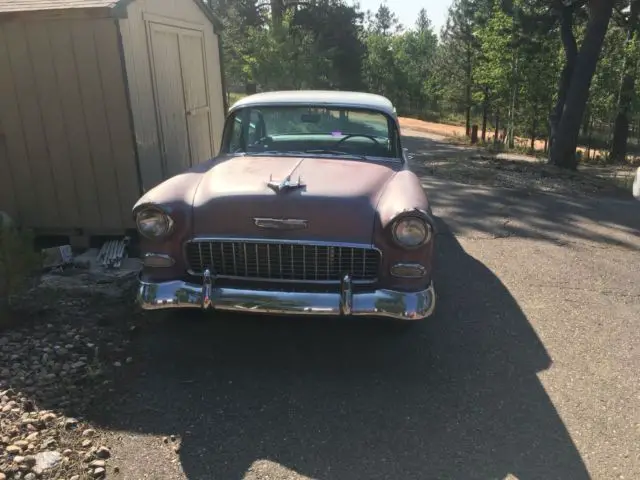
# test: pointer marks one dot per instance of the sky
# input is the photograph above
(407, 10)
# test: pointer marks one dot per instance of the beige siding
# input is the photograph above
(136, 38)
(69, 148)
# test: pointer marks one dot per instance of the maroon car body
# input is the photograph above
(272, 226)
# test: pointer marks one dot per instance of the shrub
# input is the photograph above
(18, 260)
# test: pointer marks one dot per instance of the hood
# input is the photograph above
(338, 198)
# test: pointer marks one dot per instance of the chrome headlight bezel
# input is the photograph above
(422, 239)
(153, 216)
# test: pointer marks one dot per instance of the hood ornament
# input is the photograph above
(285, 185)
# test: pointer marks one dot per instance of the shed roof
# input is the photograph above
(116, 8)
(38, 5)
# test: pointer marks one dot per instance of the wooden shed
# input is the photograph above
(101, 100)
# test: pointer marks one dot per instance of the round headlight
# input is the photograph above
(411, 232)
(153, 223)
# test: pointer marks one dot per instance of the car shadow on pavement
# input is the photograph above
(454, 397)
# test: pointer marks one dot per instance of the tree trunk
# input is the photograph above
(277, 8)
(563, 149)
(485, 113)
(627, 92)
(496, 136)
(589, 130)
(468, 92)
(512, 108)
(570, 51)
(534, 128)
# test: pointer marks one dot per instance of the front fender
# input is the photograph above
(404, 195)
(174, 196)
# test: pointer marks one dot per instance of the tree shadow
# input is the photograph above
(455, 397)
(504, 212)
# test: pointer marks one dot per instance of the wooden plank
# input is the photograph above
(194, 75)
(95, 118)
(53, 123)
(167, 77)
(134, 42)
(217, 112)
(124, 158)
(41, 184)
(8, 203)
(72, 111)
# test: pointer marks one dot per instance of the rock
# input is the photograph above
(30, 476)
(4, 477)
(48, 416)
(67, 452)
(99, 472)
(89, 432)
(14, 449)
(70, 423)
(74, 477)
(117, 364)
(46, 461)
(18, 459)
(32, 436)
(103, 452)
(97, 463)
(21, 443)
(86, 443)
(30, 461)
(49, 442)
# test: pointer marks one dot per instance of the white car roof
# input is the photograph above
(318, 97)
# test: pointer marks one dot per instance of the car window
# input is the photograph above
(314, 129)
(236, 142)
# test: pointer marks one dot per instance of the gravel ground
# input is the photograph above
(56, 363)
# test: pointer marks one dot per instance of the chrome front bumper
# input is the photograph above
(344, 302)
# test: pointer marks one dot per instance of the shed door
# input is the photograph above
(182, 99)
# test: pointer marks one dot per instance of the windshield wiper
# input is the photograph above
(335, 152)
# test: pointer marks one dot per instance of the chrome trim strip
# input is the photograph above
(375, 303)
(281, 223)
(320, 243)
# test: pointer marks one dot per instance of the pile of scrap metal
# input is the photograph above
(113, 252)
(110, 256)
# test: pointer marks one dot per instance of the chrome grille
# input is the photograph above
(282, 261)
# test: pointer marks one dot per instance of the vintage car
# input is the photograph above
(309, 209)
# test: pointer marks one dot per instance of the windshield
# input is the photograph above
(311, 130)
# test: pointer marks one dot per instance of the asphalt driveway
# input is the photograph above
(529, 368)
